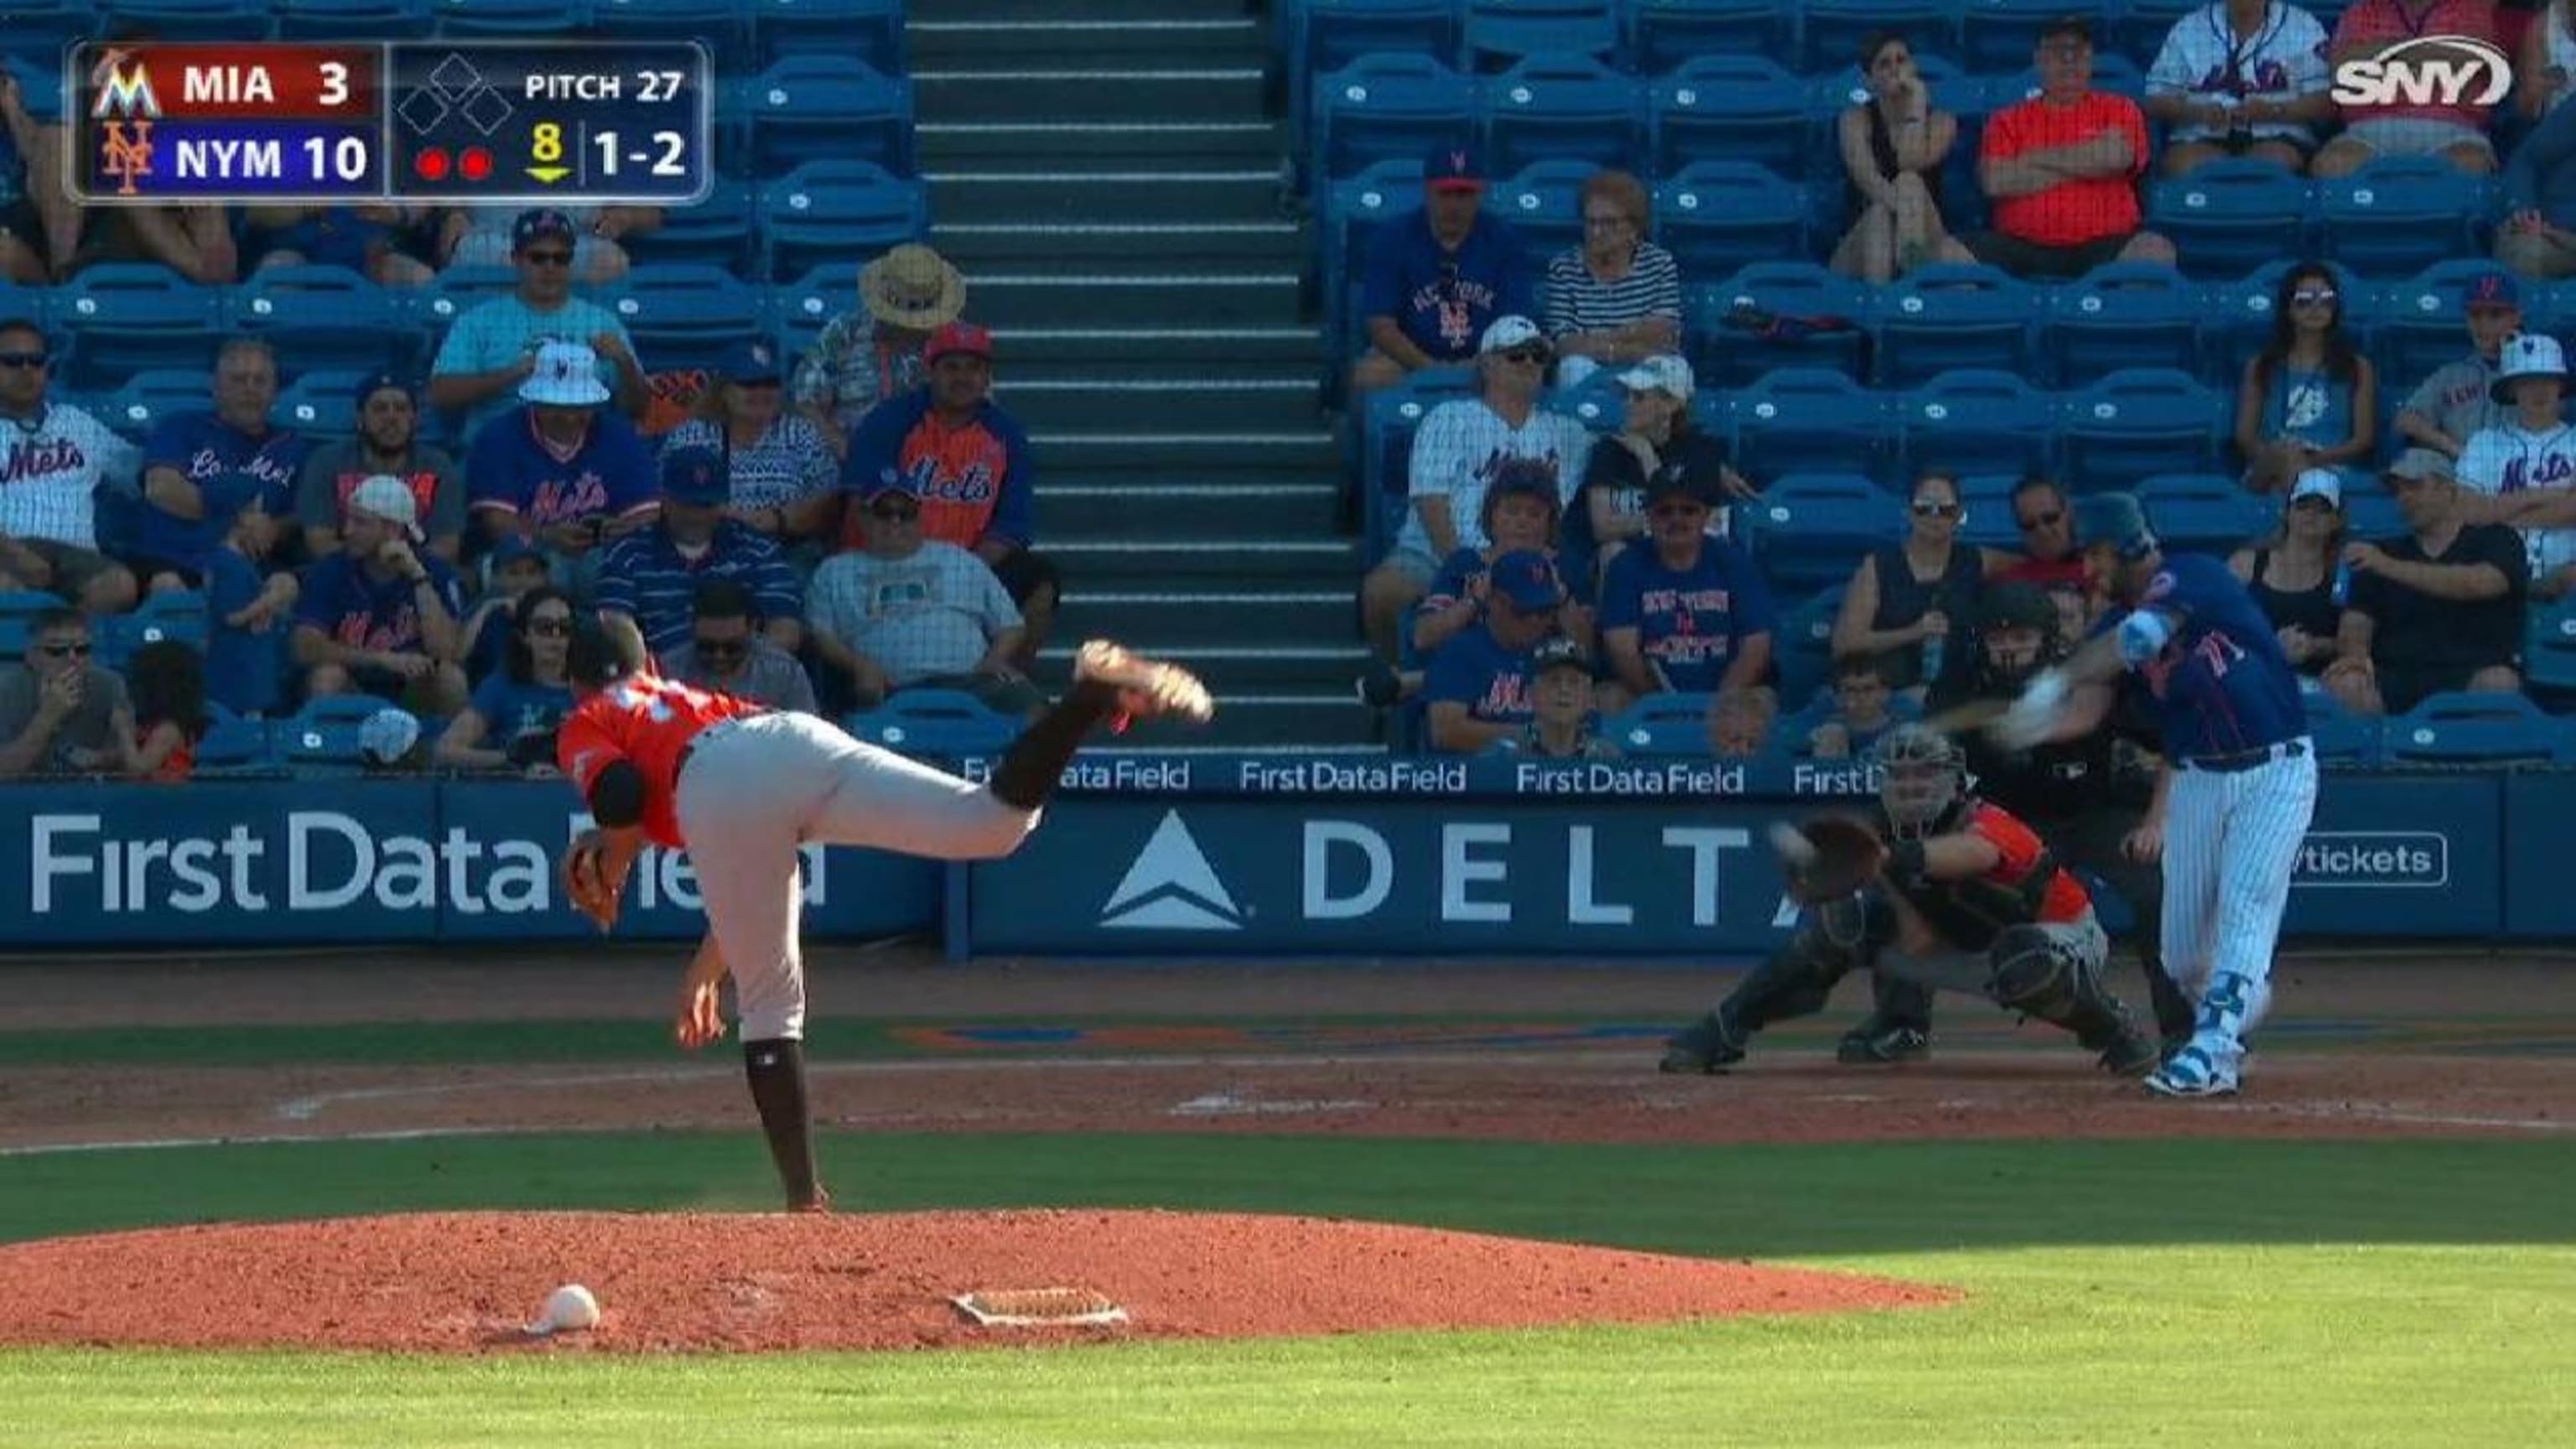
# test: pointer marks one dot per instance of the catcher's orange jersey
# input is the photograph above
(649, 720)
(2020, 847)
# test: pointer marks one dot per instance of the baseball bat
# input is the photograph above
(1975, 714)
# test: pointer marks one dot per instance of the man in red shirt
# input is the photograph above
(2062, 170)
(742, 787)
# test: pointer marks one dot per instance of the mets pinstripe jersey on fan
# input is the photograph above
(2510, 458)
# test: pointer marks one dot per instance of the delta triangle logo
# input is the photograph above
(1171, 887)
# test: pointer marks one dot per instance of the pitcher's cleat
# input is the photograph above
(820, 1202)
(1147, 688)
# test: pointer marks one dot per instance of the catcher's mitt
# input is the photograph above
(1829, 857)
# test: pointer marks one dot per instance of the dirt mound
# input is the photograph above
(462, 1282)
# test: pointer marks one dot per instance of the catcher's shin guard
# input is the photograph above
(2040, 977)
(776, 1071)
(1898, 1027)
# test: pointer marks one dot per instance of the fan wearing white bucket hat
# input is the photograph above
(562, 471)
(2532, 449)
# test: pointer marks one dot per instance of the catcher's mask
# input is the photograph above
(2017, 633)
(1924, 779)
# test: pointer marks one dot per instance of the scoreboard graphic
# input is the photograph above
(515, 123)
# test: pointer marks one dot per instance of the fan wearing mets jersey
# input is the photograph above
(2245, 783)
(742, 787)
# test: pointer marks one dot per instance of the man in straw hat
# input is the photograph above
(864, 357)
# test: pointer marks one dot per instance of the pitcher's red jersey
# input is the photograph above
(649, 720)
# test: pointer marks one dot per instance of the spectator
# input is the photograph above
(725, 652)
(387, 444)
(783, 471)
(2049, 557)
(384, 244)
(1684, 612)
(968, 462)
(188, 449)
(1617, 298)
(2298, 577)
(2455, 131)
(1740, 720)
(1562, 725)
(2532, 449)
(650, 576)
(248, 616)
(53, 460)
(474, 236)
(59, 713)
(517, 567)
(2309, 399)
(561, 472)
(511, 722)
(2543, 60)
(1478, 690)
(1461, 444)
(2241, 78)
(39, 226)
(873, 355)
(1520, 514)
(2458, 400)
(2062, 170)
(908, 611)
(1439, 279)
(2538, 238)
(1905, 597)
(379, 617)
(1893, 146)
(2440, 609)
(194, 241)
(496, 349)
(1656, 437)
(1860, 714)
(169, 711)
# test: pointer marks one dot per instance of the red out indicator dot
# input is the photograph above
(475, 164)
(431, 163)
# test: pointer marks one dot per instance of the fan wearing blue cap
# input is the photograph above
(1439, 276)
(2244, 788)
(651, 576)
(493, 351)
(785, 477)
(1478, 687)
(387, 443)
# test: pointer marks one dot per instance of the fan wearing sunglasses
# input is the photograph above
(1905, 597)
(515, 713)
(726, 653)
(2309, 399)
(54, 457)
(492, 349)
(60, 713)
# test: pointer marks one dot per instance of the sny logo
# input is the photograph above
(2427, 70)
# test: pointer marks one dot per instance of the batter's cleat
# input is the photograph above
(1705, 1047)
(1885, 1047)
(2190, 1074)
(1147, 688)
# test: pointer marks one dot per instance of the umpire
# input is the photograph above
(2096, 813)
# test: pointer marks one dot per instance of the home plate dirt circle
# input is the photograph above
(469, 1282)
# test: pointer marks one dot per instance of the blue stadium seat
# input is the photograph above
(1666, 34)
(1952, 315)
(1500, 34)
(1988, 521)
(2138, 27)
(1560, 108)
(127, 317)
(1386, 108)
(716, 232)
(18, 610)
(2002, 35)
(2232, 216)
(320, 405)
(948, 722)
(683, 315)
(149, 397)
(1394, 415)
(1976, 420)
(722, 26)
(1661, 726)
(2370, 512)
(40, 30)
(2473, 729)
(2342, 737)
(2206, 512)
(2112, 75)
(1718, 216)
(798, 311)
(1807, 528)
(2126, 314)
(1806, 420)
(199, 20)
(2549, 653)
(1543, 201)
(2400, 214)
(159, 618)
(353, 19)
(1831, 31)
(2239, 320)
(459, 290)
(2422, 322)
(1776, 304)
(827, 211)
(233, 746)
(1730, 108)
(827, 108)
(505, 19)
(2136, 423)
(871, 30)
(320, 317)
(1352, 213)
(1322, 36)
(1802, 647)
(323, 738)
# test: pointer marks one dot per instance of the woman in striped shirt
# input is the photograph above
(1617, 299)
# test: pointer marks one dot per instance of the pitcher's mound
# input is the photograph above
(694, 1281)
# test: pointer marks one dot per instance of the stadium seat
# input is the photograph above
(2205, 512)
(149, 398)
(1975, 420)
(324, 737)
(1950, 315)
(1988, 519)
(2112, 75)
(121, 318)
(2400, 214)
(826, 211)
(2126, 314)
(2370, 512)
(2473, 729)
(2136, 423)
(1807, 529)
(43, 29)
(1718, 216)
(1543, 201)
(1561, 108)
(1500, 34)
(2238, 321)
(2422, 322)
(1831, 31)
(233, 746)
(1802, 647)
(869, 30)
(194, 20)
(1661, 726)
(1766, 316)
(507, 19)
(798, 311)
(722, 26)
(1664, 35)
(458, 290)
(1387, 108)
(2138, 28)
(2002, 35)
(1806, 420)
(826, 108)
(1352, 213)
(717, 232)
(2549, 653)
(321, 317)
(1394, 415)
(159, 618)
(1322, 36)
(2231, 216)
(308, 20)
(1731, 108)
(2342, 737)
(946, 722)
(684, 315)
(320, 405)
(18, 610)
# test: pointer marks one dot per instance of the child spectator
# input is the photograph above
(512, 720)
(1739, 721)
(1520, 512)
(169, 684)
(1860, 713)
(1562, 725)
(247, 616)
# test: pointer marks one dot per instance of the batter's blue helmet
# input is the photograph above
(2115, 519)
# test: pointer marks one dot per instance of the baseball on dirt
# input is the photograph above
(1792, 843)
(570, 1308)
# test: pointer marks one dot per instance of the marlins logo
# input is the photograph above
(127, 107)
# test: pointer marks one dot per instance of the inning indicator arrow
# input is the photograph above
(550, 174)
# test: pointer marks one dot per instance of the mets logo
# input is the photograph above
(37, 458)
(568, 500)
(973, 482)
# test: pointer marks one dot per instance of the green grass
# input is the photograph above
(2226, 1293)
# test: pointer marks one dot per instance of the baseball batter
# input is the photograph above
(1968, 898)
(741, 787)
(2227, 706)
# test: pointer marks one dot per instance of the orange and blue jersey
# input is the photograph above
(975, 480)
(650, 721)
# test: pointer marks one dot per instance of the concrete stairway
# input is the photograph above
(1108, 181)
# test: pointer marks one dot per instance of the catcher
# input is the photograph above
(1945, 890)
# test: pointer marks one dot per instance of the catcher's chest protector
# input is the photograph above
(1969, 914)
